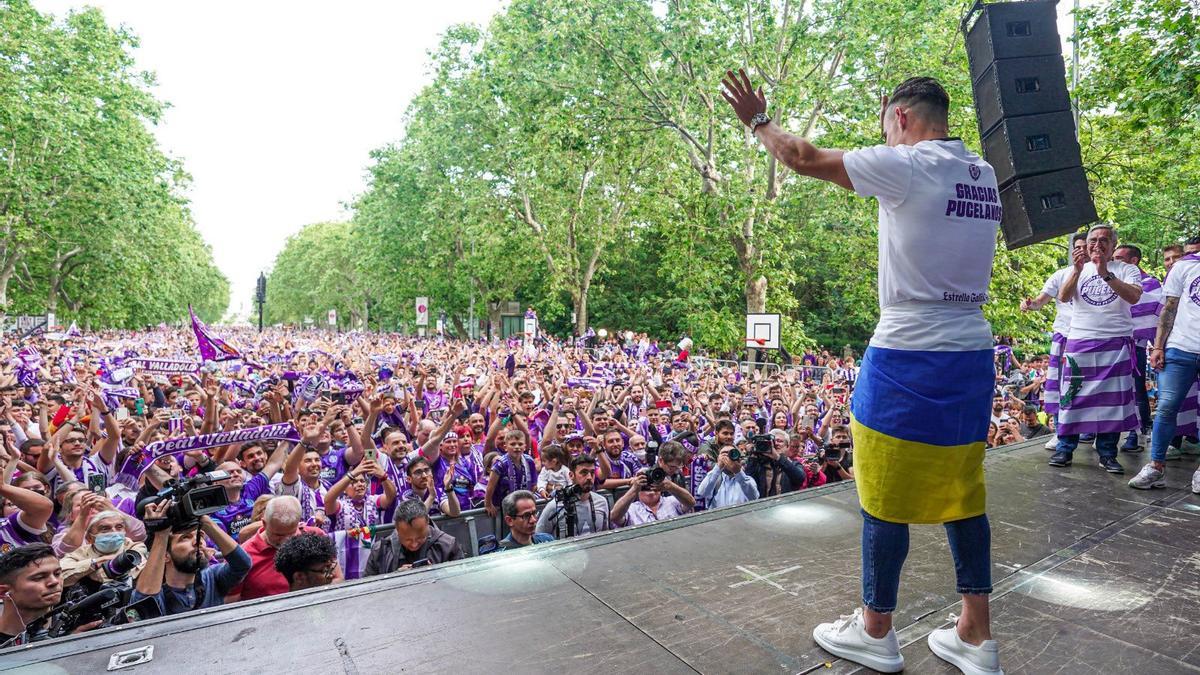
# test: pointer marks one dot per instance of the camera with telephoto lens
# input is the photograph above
(651, 453)
(190, 499)
(835, 452)
(762, 440)
(655, 475)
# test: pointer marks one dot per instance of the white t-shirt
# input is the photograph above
(1184, 283)
(1062, 310)
(1097, 311)
(939, 208)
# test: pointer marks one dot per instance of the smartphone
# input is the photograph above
(122, 413)
(97, 482)
(420, 563)
(139, 406)
(370, 453)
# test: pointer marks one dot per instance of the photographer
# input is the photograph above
(773, 473)
(177, 573)
(837, 459)
(31, 586)
(729, 484)
(591, 511)
(644, 501)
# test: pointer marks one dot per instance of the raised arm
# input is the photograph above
(793, 151)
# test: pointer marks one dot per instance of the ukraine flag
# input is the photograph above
(919, 420)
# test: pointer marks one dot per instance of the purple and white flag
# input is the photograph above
(163, 366)
(212, 348)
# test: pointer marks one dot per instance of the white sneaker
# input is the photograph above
(971, 660)
(1196, 482)
(847, 637)
(1052, 443)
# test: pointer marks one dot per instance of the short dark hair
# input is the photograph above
(672, 451)
(924, 93)
(31, 442)
(580, 460)
(412, 465)
(21, 557)
(1192, 241)
(1137, 252)
(409, 510)
(1078, 236)
(1173, 247)
(246, 446)
(301, 552)
(509, 505)
(723, 425)
(556, 451)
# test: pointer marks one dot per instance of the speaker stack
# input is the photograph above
(1025, 120)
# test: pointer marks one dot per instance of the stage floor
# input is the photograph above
(1090, 576)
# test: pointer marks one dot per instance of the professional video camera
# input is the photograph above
(190, 498)
(566, 499)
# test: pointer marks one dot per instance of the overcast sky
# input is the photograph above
(276, 105)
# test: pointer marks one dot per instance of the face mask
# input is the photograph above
(109, 542)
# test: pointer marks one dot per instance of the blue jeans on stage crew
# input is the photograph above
(885, 546)
(1178, 373)
(1106, 444)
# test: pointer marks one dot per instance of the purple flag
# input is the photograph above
(212, 348)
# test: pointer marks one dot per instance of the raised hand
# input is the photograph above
(741, 96)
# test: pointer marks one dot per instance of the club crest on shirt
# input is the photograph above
(975, 172)
(1095, 291)
(1194, 290)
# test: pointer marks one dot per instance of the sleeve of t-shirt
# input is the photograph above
(880, 171)
(1130, 274)
(1053, 285)
(1173, 285)
(258, 485)
(230, 573)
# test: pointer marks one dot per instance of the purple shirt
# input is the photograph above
(237, 515)
(13, 533)
(513, 477)
(466, 476)
(333, 466)
(439, 495)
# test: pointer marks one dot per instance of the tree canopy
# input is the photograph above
(93, 222)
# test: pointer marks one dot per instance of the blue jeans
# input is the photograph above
(1106, 444)
(1178, 374)
(885, 546)
(1139, 391)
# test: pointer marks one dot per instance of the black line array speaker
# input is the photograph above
(1025, 122)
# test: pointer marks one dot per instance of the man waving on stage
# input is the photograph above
(918, 431)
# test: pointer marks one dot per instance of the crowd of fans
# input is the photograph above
(134, 470)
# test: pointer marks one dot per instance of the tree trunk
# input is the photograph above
(581, 311)
(459, 328)
(756, 295)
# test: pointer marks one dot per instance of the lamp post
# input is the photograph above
(260, 297)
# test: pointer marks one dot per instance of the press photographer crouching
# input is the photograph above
(652, 496)
(576, 509)
(773, 473)
(837, 458)
(178, 575)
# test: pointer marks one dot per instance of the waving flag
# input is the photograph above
(212, 348)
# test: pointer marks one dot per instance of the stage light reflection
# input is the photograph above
(521, 572)
(814, 517)
(1106, 596)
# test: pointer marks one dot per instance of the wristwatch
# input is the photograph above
(758, 120)
(1107, 277)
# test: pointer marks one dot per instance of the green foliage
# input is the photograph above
(576, 156)
(90, 209)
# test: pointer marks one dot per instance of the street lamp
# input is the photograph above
(260, 297)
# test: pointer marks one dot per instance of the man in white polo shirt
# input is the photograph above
(918, 434)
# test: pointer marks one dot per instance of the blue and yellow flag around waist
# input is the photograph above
(919, 422)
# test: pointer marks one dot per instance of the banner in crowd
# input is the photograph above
(137, 463)
(163, 366)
